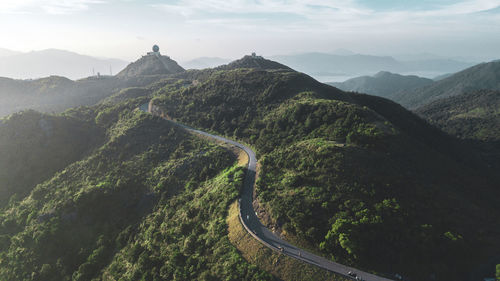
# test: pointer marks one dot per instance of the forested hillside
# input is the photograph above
(474, 115)
(33, 146)
(108, 192)
(128, 196)
(356, 177)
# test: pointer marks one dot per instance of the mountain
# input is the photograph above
(7, 53)
(441, 65)
(56, 93)
(49, 62)
(356, 178)
(321, 63)
(53, 94)
(343, 52)
(481, 76)
(325, 66)
(256, 62)
(204, 62)
(383, 84)
(94, 202)
(442, 76)
(472, 115)
(151, 64)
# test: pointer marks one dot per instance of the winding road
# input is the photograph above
(252, 223)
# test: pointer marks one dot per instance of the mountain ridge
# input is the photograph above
(49, 62)
(384, 84)
(304, 130)
(256, 62)
(322, 65)
(481, 76)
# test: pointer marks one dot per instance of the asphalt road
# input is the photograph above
(252, 223)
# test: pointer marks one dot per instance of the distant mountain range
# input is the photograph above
(335, 66)
(7, 53)
(49, 62)
(204, 62)
(413, 91)
(56, 93)
(481, 76)
(325, 67)
(383, 84)
(322, 66)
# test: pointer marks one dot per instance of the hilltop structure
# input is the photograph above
(155, 52)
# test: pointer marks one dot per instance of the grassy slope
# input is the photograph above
(362, 179)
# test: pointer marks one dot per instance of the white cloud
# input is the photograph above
(55, 7)
(194, 8)
(330, 14)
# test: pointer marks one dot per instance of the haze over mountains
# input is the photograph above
(383, 84)
(204, 62)
(326, 67)
(478, 77)
(414, 91)
(342, 64)
(6, 53)
(56, 93)
(331, 67)
(44, 63)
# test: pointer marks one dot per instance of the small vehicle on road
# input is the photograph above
(352, 274)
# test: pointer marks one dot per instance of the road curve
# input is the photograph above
(252, 223)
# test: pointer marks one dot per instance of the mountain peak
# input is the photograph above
(151, 64)
(481, 76)
(255, 61)
(381, 74)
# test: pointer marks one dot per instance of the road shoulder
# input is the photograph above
(279, 265)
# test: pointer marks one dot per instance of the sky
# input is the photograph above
(186, 29)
